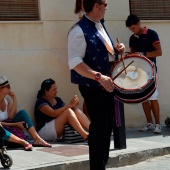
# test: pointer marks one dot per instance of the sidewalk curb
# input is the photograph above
(114, 161)
(136, 157)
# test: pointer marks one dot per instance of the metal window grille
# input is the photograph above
(19, 10)
(150, 9)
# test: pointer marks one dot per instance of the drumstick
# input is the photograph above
(122, 71)
(121, 56)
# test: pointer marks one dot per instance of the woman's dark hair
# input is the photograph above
(78, 6)
(132, 20)
(45, 86)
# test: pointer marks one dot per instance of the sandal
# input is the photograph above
(28, 147)
(41, 143)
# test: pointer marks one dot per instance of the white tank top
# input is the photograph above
(4, 114)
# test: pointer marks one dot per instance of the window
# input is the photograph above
(19, 10)
(150, 9)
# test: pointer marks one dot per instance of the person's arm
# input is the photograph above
(14, 124)
(12, 106)
(154, 38)
(76, 52)
(120, 48)
(8, 124)
(46, 109)
(156, 52)
(84, 70)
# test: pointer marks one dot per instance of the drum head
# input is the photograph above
(138, 73)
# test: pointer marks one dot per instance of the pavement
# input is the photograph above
(140, 146)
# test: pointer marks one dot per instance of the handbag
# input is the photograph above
(71, 135)
(15, 131)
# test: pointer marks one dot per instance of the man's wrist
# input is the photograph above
(97, 76)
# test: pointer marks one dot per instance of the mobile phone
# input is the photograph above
(25, 125)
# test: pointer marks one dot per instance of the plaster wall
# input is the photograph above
(35, 50)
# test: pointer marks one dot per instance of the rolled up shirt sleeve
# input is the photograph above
(76, 47)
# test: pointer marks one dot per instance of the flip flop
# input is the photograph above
(41, 143)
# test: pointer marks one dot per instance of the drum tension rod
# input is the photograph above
(121, 56)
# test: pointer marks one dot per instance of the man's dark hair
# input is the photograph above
(132, 20)
(88, 4)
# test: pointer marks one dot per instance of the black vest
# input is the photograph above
(96, 54)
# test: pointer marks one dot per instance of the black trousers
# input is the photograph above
(100, 107)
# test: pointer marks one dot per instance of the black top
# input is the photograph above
(42, 118)
(144, 42)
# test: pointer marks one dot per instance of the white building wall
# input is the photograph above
(33, 51)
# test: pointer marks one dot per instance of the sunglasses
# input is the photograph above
(105, 4)
(48, 81)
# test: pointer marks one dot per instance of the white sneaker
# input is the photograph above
(157, 129)
(148, 127)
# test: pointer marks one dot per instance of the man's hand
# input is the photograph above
(120, 48)
(107, 83)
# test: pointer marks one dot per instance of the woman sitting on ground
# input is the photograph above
(10, 117)
(52, 114)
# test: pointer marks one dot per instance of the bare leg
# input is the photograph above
(84, 121)
(37, 138)
(34, 134)
(155, 110)
(15, 139)
(147, 110)
(68, 116)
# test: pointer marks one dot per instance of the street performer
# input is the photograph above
(91, 53)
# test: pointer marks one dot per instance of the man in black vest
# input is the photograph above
(91, 54)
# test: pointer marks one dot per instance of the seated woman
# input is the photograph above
(10, 117)
(52, 114)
